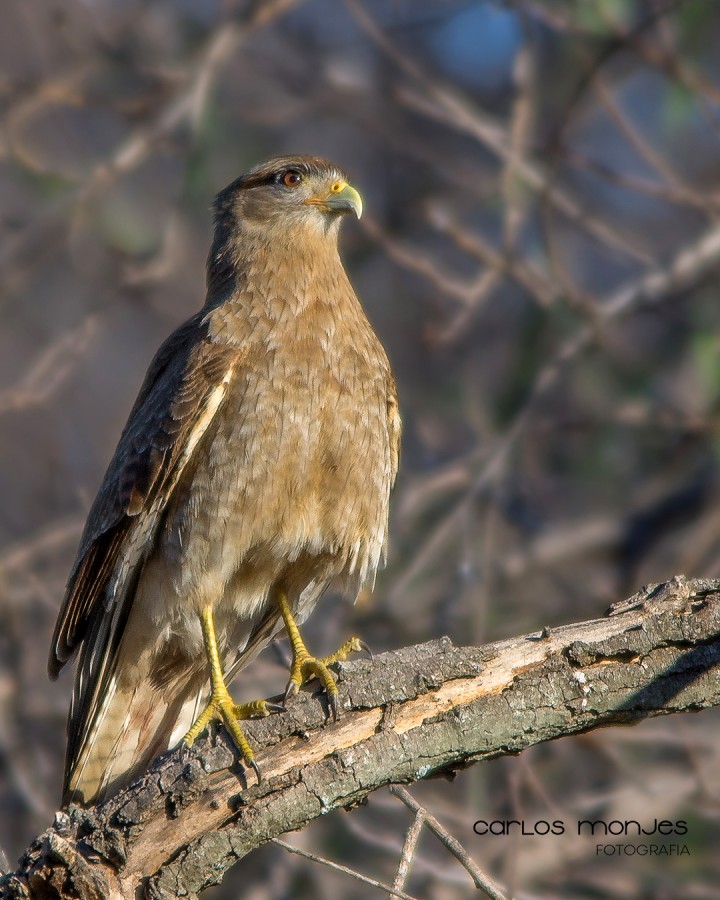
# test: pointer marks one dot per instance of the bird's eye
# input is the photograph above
(292, 178)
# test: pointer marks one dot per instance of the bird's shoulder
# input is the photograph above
(183, 389)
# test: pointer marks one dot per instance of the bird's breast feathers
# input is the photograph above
(298, 463)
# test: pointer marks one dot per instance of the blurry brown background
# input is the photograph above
(540, 257)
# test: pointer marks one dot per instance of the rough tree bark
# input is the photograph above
(409, 714)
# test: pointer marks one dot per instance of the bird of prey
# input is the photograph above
(255, 470)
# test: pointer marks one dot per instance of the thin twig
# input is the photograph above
(688, 266)
(445, 104)
(46, 375)
(408, 851)
(24, 553)
(389, 844)
(645, 149)
(345, 870)
(482, 881)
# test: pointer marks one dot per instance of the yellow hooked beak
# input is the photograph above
(342, 198)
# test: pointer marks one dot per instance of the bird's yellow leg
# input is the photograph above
(304, 666)
(221, 706)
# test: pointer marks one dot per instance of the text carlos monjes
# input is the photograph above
(614, 827)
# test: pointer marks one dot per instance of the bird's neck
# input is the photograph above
(277, 278)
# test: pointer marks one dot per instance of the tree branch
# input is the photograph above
(409, 714)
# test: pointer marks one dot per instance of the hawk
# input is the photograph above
(254, 470)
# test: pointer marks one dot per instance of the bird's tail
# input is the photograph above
(136, 723)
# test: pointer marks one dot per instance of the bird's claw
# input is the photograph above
(291, 690)
(222, 710)
(306, 667)
(334, 704)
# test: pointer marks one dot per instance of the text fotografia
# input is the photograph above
(642, 850)
(592, 827)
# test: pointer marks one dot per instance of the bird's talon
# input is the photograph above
(256, 767)
(292, 688)
(366, 649)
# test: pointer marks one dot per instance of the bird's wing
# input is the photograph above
(394, 428)
(183, 390)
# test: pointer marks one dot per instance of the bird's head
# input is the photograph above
(289, 194)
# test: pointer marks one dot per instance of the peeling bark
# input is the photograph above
(407, 715)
